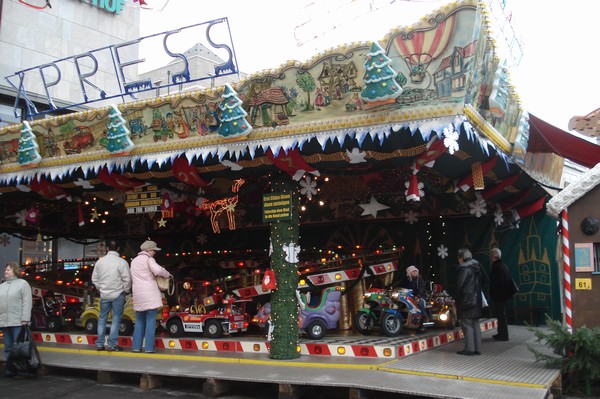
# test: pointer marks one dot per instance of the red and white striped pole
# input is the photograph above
(564, 220)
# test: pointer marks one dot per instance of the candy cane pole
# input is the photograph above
(564, 220)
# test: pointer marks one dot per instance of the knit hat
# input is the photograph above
(149, 246)
(410, 269)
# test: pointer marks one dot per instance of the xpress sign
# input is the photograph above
(102, 74)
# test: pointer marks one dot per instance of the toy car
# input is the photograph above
(89, 318)
(227, 319)
(47, 314)
(313, 318)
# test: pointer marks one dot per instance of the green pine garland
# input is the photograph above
(284, 308)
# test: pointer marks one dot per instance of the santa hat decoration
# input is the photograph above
(412, 192)
(81, 221)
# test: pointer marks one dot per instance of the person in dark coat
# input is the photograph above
(501, 290)
(468, 301)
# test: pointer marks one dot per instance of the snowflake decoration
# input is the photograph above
(498, 216)
(478, 208)
(442, 251)
(309, 187)
(201, 239)
(356, 156)
(22, 217)
(4, 240)
(450, 138)
(411, 217)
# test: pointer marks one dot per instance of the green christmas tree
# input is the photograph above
(28, 147)
(379, 78)
(118, 134)
(233, 117)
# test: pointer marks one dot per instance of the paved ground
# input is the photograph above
(71, 384)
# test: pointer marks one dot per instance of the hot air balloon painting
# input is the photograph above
(419, 48)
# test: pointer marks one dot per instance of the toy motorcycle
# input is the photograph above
(405, 312)
(443, 307)
(376, 300)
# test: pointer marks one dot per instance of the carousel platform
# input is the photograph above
(425, 365)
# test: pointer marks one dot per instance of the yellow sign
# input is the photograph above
(143, 200)
(583, 283)
(277, 206)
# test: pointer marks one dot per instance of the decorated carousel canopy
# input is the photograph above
(423, 120)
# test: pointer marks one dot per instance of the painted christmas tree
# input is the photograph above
(118, 134)
(380, 84)
(233, 117)
(28, 147)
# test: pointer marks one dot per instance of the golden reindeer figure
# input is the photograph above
(226, 204)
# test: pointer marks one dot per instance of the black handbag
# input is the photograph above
(24, 356)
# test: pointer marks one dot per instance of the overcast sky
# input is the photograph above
(555, 77)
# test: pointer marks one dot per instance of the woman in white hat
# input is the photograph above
(415, 282)
(147, 298)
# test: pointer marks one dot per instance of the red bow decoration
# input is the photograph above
(33, 215)
(48, 190)
(269, 282)
(186, 173)
(292, 163)
(117, 181)
(435, 149)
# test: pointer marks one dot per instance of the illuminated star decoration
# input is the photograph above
(162, 223)
(442, 251)
(372, 208)
(356, 156)
(95, 214)
(309, 187)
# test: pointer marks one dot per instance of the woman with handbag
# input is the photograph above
(15, 307)
(147, 298)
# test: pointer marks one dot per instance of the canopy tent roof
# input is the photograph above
(543, 137)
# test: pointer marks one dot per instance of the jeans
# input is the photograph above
(472, 331)
(10, 337)
(106, 305)
(144, 330)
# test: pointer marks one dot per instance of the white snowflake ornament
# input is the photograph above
(450, 138)
(411, 217)
(309, 187)
(498, 216)
(478, 208)
(356, 156)
(442, 251)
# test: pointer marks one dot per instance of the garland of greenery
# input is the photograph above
(284, 307)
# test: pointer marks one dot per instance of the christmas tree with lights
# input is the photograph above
(28, 147)
(233, 117)
(380, 84)
(119, 142)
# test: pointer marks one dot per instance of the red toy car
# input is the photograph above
(228, 319)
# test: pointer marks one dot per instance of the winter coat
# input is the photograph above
(501, 287)
(15, 302)
(146, 294)
(111, 276)
(417, 285)
(468, 290)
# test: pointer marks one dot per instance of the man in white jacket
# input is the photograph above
(112, 278)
